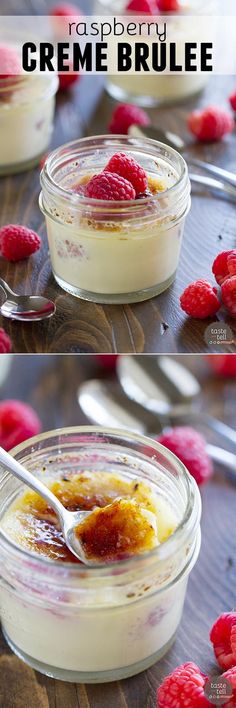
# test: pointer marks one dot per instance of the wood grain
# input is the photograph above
(84, 327)
(50, 384)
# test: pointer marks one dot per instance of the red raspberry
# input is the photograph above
(224, 265)
(232, 100)
(17, 242)
(107, 361)
(146, 7)
(5, 342)
(223, 364)
(230, 675)
(210, 124)
(190, 447)
(183, 687)
(9, 62)
(64, 10)
(228, 292)
(66, 79)
(126, 115)
(200, 300)
(127, 167)
(168, 5)
(18, 422)
(223, 638)
(109, 186)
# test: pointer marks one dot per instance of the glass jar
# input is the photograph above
(26, 120)
(107, 251)
(107, 622)
(147, 89)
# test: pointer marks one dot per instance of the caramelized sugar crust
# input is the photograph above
(119, 531)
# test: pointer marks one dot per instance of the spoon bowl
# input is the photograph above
(25, 308)
(68, 519)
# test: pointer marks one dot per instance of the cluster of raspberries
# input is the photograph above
(122, 179)
(200, 299)
(184, 687)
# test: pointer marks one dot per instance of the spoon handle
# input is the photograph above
(214, 184)
(11, 465)
(223, 174)
(5, 288)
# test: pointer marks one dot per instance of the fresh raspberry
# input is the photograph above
(64, 10)
(224, 265)
(223, 638)
(5, 342)
(18, 422)
(126, 115)
(210, 124)
(107, 361)
(223, 364)
(17, 242)
(230, 675)
(127, 167)
(168, 5)
(9, 62)
(228, 293)
(109, 186)
(183, 687)
(232, 100)
(190, 447)
(146, 7)
(66, 79)
(200, 300)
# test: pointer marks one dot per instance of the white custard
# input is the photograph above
(26, 121)
(114, 255)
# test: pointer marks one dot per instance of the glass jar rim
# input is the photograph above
(161, 552)
(107, 140)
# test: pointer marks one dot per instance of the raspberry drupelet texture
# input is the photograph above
(230, 675)
(18, 242)
(5, 342)
(168, 5)
(224, 266)
(147, 7)
(228, 293)
(127, 167)
(109, 186)
(223, 638)
(183, 688)
(190, 447)
(211, 124)
(200, 300)
(126, 115)
(18, 422)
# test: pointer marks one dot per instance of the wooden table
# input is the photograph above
(51, 386)
(86, 327)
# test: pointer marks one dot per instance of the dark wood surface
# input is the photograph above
(86, 327)
(50, 385)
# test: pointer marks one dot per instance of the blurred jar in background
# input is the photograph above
(146, 89)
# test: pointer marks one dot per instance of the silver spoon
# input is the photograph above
(165, 387)
(26, 308)
(226, 180)
(68, 519)
(105, 403)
